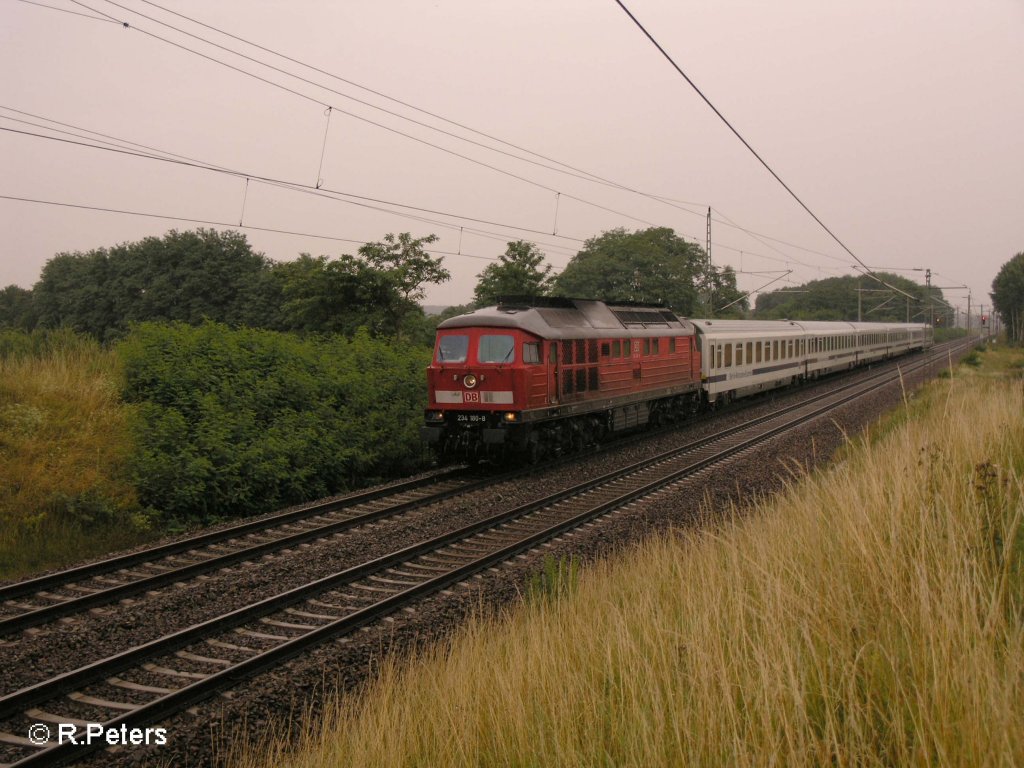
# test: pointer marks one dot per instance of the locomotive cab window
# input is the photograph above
(531, 352)
(616, 348)
(496, 348)
(452, 349)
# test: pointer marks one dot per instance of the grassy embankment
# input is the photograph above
(64, 442)
(873, 615)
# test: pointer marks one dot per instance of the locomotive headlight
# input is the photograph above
(469, 380)
(511, 418)
(435, 415)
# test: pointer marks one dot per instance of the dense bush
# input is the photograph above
(234, 422)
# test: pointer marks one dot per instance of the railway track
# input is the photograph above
(37, 601)
(148, 683)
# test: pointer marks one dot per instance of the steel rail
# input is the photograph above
(71, 575)
(110, 594)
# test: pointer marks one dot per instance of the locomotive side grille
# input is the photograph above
(579, 374)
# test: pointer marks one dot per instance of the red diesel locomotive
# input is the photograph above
(541, 376)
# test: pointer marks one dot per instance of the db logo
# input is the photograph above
(471, 397)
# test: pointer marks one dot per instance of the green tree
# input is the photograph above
(407, 264)
(335, 296)
(1008, 297)
(74, 291)
(518, 272)
(16, 308)
(183, 276)
(650, 265)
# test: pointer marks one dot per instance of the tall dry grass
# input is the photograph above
(64, 440)
(873, 615)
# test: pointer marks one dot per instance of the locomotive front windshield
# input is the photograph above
(496, 349)
(452, 349)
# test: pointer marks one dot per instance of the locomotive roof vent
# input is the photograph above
(645, 317)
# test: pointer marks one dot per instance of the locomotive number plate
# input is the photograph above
(471, 417)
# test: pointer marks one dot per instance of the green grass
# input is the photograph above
(64, 442)
(872, 615)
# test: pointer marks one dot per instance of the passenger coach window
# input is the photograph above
(452, 349)
(728, 355)
(531, 352)
(496, 349)
(616, 348)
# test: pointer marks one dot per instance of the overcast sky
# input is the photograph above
(899, 124)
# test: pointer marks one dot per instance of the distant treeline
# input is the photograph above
(836, 298)
(201, 275)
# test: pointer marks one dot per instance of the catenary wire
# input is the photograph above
(214, 223)
(382, 126)
(750, 148)
(676, 204)
(115, 141)
(308, 189)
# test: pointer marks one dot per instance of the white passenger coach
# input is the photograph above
(742, 357)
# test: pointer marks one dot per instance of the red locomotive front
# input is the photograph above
(480, 381)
